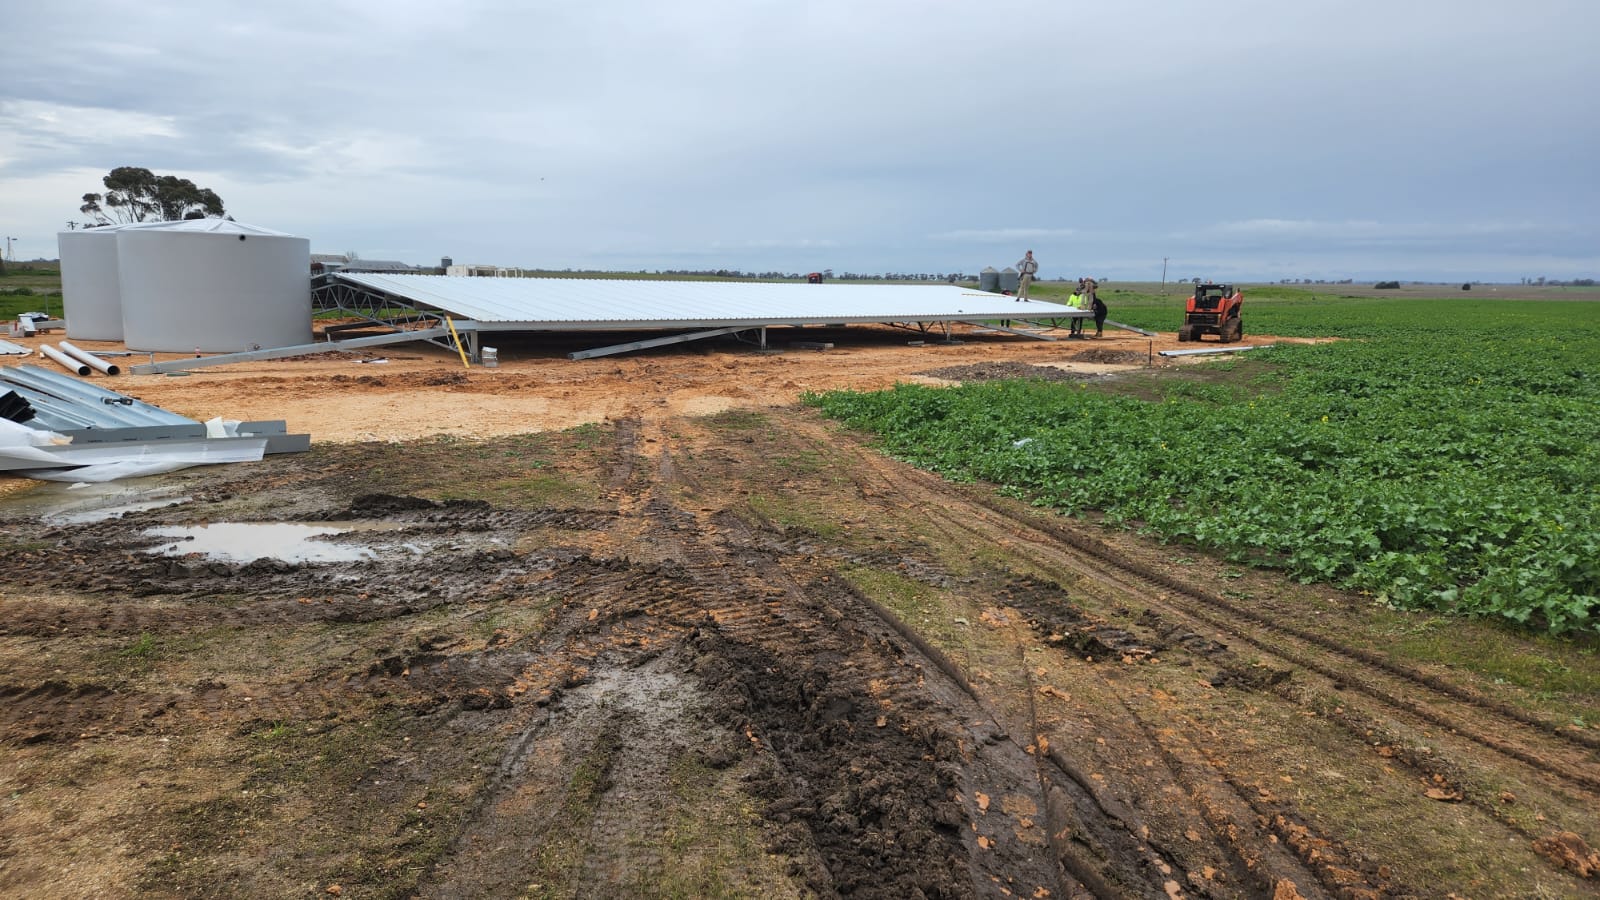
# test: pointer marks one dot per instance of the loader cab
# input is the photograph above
(1209, 296)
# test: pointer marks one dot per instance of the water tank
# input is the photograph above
(1009, 279)
(446, 262)
(214, 286)
(89, 287)
(989, 279)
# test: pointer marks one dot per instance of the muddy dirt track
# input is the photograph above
(735, 654)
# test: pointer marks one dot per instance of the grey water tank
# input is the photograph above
(214, 286)
(90, 291)
(1009, 279)
(989, 279)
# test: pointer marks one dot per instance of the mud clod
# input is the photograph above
(1570, 851)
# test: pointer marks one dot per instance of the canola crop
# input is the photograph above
(1445, 455)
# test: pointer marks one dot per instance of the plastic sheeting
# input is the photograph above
(154, 462)
(44, 455)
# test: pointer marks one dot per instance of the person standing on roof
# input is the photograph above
(1027, 267)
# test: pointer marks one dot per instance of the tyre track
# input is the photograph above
(1569, 765)
(1253, 858)
(1554, 756)
(758, 605)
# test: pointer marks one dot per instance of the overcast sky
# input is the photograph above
(1241, 139)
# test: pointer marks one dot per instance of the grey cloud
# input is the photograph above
(885, 136)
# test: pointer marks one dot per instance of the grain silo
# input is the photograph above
(90, 291)
(214, 286)
(989, 280)
(1009, 279)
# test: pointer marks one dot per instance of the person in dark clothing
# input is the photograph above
(1099, 316)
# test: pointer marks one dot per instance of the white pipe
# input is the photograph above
(94, 361)
(1216, 350)
(71, 364)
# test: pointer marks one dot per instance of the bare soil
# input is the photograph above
(646, 627)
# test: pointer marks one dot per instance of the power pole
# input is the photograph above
(1163, 276)
(8, 249)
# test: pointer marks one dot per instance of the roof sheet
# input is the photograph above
(600, 304)
(212, 226)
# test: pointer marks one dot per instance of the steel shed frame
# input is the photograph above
(691, 310)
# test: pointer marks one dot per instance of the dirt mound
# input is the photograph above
(1002, 371)
(1108, 357)
(378, 504)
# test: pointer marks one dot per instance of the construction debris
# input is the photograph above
(57, 428)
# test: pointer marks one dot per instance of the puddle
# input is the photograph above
(243, 542)
(61, 504)
(110, 512)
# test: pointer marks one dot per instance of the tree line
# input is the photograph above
(134, 194)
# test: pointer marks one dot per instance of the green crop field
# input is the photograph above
(1445, 455)
(30, 287)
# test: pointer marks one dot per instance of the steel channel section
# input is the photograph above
(223, 359)
(1016, 331)
(120, 410)
(657, 342)
(55, 414)
(1209, 350)
(90, 401)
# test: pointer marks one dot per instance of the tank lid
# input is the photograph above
(213, 226)
(97, 229)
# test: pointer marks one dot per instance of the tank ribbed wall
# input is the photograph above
(216, 291)
(90, 288)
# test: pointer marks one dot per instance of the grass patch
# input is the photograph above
(1561, 675)
(376, 834)
(539, 489)
(925, 609)
(588, 436)
(560, 857)
(713, 844)
(782, 512)
(738, 421)
(521, 470)
(143, 648)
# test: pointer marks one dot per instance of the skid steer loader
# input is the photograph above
(1214, 309)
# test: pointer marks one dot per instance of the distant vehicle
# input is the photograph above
(814, 278)
(1213, 309)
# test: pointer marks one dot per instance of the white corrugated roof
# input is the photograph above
(215, 226)
(578, 303)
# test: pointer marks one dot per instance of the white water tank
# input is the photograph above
(213, 285)
(90, 290)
